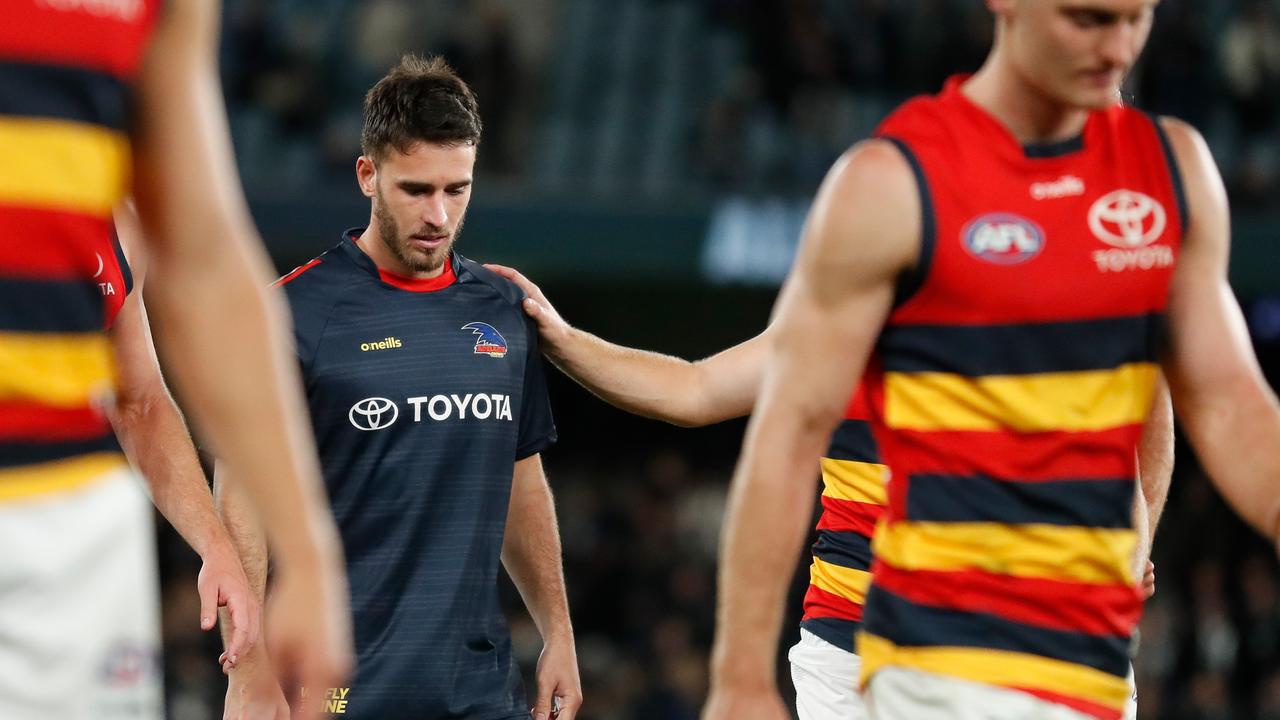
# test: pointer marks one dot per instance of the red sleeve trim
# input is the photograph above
(295, 273)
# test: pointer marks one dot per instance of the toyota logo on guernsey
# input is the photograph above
(374, 413)
(378, 413)
(1003, 239)
(1129, 222)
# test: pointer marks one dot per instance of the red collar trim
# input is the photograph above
(440, 282)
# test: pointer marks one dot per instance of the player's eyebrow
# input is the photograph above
(415, 186)
(426, 187)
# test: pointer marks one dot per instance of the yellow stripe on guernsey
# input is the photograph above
(58, 476)
(1098, 556)
(996, 667)
(856, 481)
(841, 581)
(62, 165)
(67, 370)
(1069, 401)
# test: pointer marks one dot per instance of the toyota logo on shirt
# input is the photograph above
(375, 413)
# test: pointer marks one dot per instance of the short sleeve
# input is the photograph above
(537, 427)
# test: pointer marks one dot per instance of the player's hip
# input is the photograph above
(826, 680)
(78, 605)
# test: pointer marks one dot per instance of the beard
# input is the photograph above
(401, 247)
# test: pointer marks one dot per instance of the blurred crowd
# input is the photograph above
(802, 79)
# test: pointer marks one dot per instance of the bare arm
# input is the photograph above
(225, 337)
(1229, 414)
(841, 289)
(531, 555)
(252, 690)
(246, 537)
(658, 386)
(155, 438)
(1155, 470)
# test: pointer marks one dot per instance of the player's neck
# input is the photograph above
(1029, 115)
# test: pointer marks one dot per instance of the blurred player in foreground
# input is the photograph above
(429, 404)
(1008, 254)
(97, 99)
(824, 664)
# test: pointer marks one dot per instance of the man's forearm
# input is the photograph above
(1155, 468)
(156, 440)
(250, 544)
(244, 529)
(689, 394)
(1236, 440)
(640, 382)
(765, 524)
(531, 551)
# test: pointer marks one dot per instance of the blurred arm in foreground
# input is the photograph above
(223, 336)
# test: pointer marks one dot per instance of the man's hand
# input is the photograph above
(748, 703)
(253, 693)
(559, 689)
(1149, 581)
(309, 632)
(222, 583)
(551, 327)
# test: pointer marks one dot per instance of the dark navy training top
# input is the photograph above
(423, 395)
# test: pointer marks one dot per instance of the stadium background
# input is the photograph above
(649, 163)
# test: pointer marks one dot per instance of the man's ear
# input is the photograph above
(367, 175)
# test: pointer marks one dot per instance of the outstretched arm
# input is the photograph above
(531, 555)
(1224, 404)
(224, 336)
(658, 386)
(841, 289)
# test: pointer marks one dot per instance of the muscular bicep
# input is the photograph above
(861, 235)
(1209, 349)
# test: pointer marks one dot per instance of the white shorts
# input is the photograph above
(79, 630)
(897, 693)
(826, 680)
(1131, 705)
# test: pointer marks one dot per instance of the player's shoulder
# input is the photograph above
(470, 270)
(875, 170)
(315, 274)
(1182, 135)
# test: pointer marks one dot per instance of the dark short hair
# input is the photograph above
(420, 100)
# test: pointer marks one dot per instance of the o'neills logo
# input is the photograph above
(388, 343)
(123, 10)
(1065, 186)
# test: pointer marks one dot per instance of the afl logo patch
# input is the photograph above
(1127, 219)
(488, 340)
(1003, 239)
